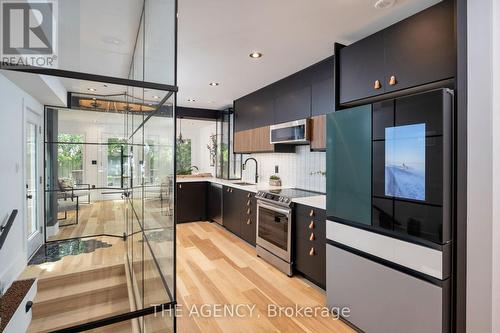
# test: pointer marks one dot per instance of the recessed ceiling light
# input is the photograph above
(156, 97)
(214, 84)
(383, 4)
(255, 55)
(191, 100)
(92, 89)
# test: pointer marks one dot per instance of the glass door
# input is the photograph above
(34, 230)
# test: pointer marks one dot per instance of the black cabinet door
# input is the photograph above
(421, 49)
(215, 202)
(231, 210)
(322, 97)
(248, 220)
(262, 111)
(243, 119)
(361, 65)
(293, 105)
(191, 202)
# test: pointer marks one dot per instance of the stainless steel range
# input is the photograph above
(275, 226)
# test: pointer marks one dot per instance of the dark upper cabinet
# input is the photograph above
(421, 49)
(416, 51)
(361, 66)
(322, 97)
(298, 96)
(191, 203)
(293, 105)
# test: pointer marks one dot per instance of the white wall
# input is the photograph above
(13, 256)
(199, 132)
(299, 169)
(483, 194)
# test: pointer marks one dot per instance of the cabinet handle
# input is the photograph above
(312, 237)
(180, 185)
(311, 225)
(249, 221)
(248, 203)
(311, 213)
(312, 252)
(249, 195)
(393, 81)
(249, 211)
(377, 85)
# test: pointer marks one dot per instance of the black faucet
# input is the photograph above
(256, 168)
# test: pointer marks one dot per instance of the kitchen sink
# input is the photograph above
(243, 183)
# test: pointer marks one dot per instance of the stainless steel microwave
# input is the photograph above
(293, 132)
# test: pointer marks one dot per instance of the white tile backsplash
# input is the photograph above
(302, 169)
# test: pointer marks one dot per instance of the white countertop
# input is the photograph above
(317, 201)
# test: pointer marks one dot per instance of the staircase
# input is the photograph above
(79, 297)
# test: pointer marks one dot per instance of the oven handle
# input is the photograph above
(273, 208)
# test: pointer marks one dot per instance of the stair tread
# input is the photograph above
(78, 288)
(80, 315)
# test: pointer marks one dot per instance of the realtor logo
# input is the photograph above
(28, 32)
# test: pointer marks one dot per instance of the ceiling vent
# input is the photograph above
(382, 4)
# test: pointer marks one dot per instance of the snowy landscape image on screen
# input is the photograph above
(405, 161)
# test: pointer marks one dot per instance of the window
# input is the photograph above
(183, 158)
(115, 167)
(70, 157)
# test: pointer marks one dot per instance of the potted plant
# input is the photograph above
(275, 180)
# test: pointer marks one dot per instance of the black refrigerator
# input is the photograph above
(389, 212)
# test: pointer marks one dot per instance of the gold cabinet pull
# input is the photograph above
(377, 85)
(392, 80)
(249, 195)
(249, 211)
(311, 225)
(248, 203)
(312, 252)
(180, 185)
(312, 237)
(311, 213)
(249, 221)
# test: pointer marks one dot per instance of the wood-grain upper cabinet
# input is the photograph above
(318, 132)
(257, 140)
(421, 49)
(416, 51)
(362, 70)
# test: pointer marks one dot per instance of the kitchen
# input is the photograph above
(341, 174)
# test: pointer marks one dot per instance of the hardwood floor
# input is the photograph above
(216, 267)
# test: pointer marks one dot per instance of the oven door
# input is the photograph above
(274, 229)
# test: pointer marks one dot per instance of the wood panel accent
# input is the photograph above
(255, 140)
(318, 132)
(215, 266)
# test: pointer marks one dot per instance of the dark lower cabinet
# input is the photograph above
(214, 209)
(310, 243)
(231, 210)
(239, 213)
(191, 204)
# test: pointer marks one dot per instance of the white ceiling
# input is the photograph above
(215, 38)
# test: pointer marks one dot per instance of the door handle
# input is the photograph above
(29, 196)
(393, 81)
(377, 85)
(180, 185)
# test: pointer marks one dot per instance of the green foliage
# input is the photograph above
(274, 177)
(68, 152)
(183, 157)
(115, 146)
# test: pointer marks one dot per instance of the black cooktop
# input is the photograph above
(294, 193)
